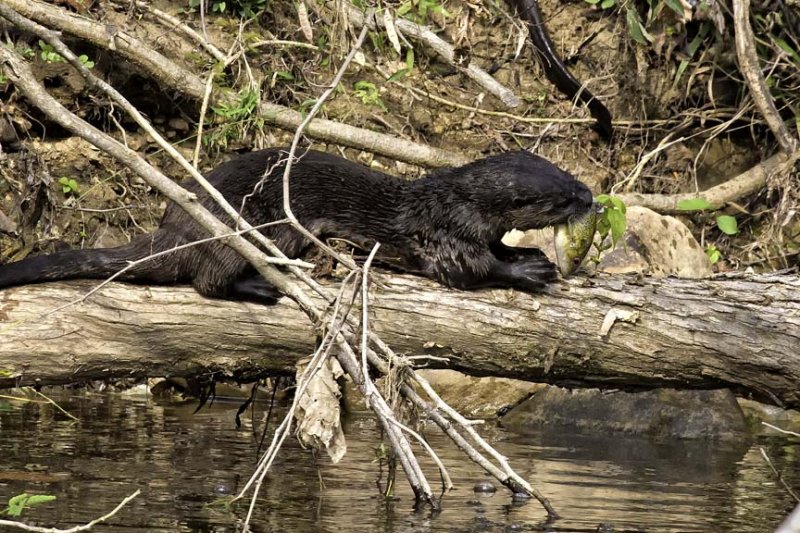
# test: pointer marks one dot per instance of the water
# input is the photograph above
(183, 462)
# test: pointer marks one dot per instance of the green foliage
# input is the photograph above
(240, 109)
(85, 61)
(612, 219)
(27, 52)
(23, 501)
(306, 105)
(726, 223)
(3, 79)
(403, 72)
(693, 46)
(237, 117)
(713, 253)
(418, 10)
(694, 204)
(49, 54)
(243, 8)
(69, 186)
(368, 93)
(636, 27)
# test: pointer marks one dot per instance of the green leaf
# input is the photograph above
(635, 27)
(727, 224)
(714, 255)
(676, 6)
(399, 75)
(19, 502)
(593, 2)
(618, 223)
(605, 4)
(410, 59)
(786, 47)
(694, 204)
(618, 204)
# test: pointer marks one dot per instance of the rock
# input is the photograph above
(658, 245)
(486, 487)
(470, 396)
(686, 414)
(756, 412)
(178, 124)
(653, 244)
(478, 397)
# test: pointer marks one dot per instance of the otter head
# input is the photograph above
(528, 192)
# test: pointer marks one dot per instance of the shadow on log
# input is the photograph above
(740, 332)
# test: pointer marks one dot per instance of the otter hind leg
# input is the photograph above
(221, 273)
(254, 289)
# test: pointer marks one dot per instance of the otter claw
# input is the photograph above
(532, 274)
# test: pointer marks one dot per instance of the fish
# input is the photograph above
(573, 239)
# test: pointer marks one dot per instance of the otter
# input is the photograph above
(446, 225)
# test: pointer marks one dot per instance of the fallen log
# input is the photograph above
(621, 331)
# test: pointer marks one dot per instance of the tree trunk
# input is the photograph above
(739, 332)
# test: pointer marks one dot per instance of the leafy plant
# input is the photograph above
(726, 223)
(417, 10)
(241, 108)
(405, 71)
(237, 116)
(68, 185)
(85, 61)
(612, 219)
(243, 8)
(49, 54)
(368, 93)
(713, 253)
(20, 502)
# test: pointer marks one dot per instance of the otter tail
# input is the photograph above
(91, 264)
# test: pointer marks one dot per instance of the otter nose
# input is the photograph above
(584, 195)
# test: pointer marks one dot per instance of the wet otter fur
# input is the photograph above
(446, 225)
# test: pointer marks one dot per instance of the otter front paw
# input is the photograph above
(531, 274)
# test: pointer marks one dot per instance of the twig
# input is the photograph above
(76, 529)
(749, 66)
(215, 52)
(443, 49)
(370, 385)
(52, 38)
(785, 431)
(346, 356)
(317, 361)
(778, 475)
(53, 403)
(171, 75)
(748, 182)
(287, 208)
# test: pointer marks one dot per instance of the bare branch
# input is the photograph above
(749, 66)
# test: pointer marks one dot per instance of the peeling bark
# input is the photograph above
(742, 333)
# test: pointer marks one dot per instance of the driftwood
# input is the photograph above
(742, 333)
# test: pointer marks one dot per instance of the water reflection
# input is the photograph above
(184, 461)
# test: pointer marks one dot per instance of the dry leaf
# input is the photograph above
(391, 31)
(305, 24)
(318, 410)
